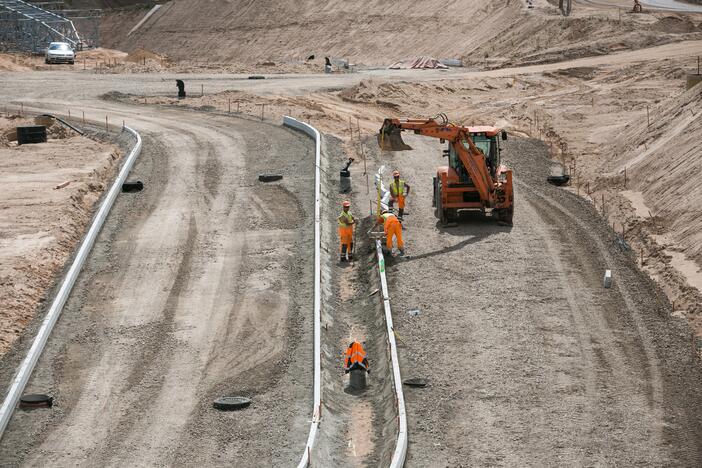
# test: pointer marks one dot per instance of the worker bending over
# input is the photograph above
(356, 358)
(346, 223)
(399, 189)
(392, 228)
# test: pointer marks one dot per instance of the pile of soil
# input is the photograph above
(142, 55)
(675, 25)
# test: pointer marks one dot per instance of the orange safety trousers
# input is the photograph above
(393, 228)
(400, 201)
(345, 238)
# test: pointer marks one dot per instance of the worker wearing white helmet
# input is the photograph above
(399, 189)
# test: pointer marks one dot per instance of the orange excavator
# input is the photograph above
(474, 178)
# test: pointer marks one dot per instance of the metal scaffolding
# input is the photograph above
(30, 27)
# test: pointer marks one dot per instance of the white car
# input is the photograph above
(60, 52)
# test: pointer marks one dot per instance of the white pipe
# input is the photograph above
(398, 457)
(25, 370)
(317, 409)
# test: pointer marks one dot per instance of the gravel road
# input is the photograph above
(531, 361)
(199, 286)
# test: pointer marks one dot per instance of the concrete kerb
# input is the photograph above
(25, 370)
(400, 453)
(317, 407)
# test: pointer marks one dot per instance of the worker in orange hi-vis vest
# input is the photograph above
(399, 189)
(392, 228)
(356, 358)
(346, 223)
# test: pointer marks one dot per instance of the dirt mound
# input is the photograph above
(675, 25)
(14, 62)
(370, 91)
(142, 55)
(105, 55)
(369, 33)
(661, 160)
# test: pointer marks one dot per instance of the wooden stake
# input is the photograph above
(624, 176)
(237, 106)
(603, 206)
(262, 107)
(107, 128)
(202, 90)
(83, 117)
(69, 115)
(229, 106)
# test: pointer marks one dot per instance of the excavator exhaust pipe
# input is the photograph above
(391, 140)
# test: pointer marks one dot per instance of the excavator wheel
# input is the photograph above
(440, 212)
(433, 198)
(504, 215)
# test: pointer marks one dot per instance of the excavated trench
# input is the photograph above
(357, 429)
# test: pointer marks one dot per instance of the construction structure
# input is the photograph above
(31, 26)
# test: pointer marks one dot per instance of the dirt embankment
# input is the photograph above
(49, 192)
(372, 33)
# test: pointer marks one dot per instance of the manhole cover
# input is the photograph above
(231, 403)
(36, 401)
(416, 382)
(269, 177)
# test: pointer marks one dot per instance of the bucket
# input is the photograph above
(344, 181)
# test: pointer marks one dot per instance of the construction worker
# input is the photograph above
(399, 189)
(356, 358)
(346, 224)
(392, 227)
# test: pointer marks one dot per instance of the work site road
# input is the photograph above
(530, 360)
(199, 286)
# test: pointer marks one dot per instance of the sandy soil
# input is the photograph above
(41, 225)
(531, 361)
(368, 33)
(540, 364)
(199, 286)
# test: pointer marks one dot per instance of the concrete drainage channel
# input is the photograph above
(317, 390)
(326, 442)
(25, 370)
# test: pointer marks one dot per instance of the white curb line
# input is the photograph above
(317, 411)
(398, 457)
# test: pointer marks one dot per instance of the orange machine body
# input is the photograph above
(474, 179)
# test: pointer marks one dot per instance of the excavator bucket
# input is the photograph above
(390, 139)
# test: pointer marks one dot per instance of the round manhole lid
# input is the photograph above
(416, 382)
(231, 403)
(36, 400)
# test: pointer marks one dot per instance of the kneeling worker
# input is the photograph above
(392, 228)
(346, 223)
(356, 358)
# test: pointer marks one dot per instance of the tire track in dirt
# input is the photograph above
(163, 402)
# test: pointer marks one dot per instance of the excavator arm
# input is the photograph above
(473, 159)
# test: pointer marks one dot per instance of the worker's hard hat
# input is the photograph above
(396, 173)
(346, 203)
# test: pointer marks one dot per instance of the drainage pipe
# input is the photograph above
(306, 459)
(25, 370)
(398, 456)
